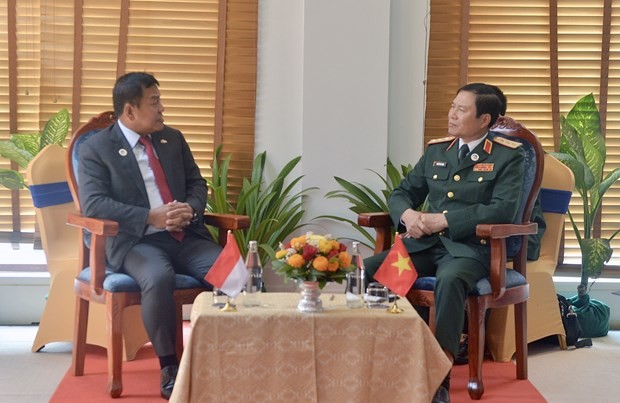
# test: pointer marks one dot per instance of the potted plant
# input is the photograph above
(21, 148)
(275, 208)
(583, 150)
(365, 200)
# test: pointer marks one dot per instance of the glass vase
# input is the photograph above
(310, 297)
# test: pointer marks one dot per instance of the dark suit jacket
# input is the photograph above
(111, 186)
(486, 187)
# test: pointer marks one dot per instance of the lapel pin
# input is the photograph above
(163, 141)
(122, 152)
(475, 157)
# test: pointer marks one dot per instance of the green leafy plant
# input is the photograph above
(21, 148)
(582, 149)
(274, 208)
(365, 200)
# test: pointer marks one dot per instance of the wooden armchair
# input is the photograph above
(94, 283)
(503, 287)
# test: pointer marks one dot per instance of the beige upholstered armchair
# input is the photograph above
(543, 317)
(53, 202)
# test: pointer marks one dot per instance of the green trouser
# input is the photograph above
(456, 278)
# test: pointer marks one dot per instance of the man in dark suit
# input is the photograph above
(141, 173)
(469, 178)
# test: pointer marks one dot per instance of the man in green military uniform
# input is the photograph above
(469, 178)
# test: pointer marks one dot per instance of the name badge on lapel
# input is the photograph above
(484, 167)
(441, 164)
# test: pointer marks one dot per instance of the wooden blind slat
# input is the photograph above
(545, 55)
(68, 53)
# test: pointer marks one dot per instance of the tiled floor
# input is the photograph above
(584, 375)
(26, 377)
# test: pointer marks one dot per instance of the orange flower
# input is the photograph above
(314, 258)
(345, 259)
(333, 265)
(296, 260)
(320, 263)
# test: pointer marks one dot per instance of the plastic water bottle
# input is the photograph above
(356, 279)
(254, 283)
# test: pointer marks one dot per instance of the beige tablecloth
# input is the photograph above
(274, 353)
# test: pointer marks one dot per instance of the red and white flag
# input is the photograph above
(397, 271)
(228, 273)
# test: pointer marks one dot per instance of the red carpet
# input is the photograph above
(141, 381)
(500, 385)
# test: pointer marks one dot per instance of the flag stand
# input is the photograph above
(394, 308)
(228, 307)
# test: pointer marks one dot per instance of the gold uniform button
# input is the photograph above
(450, 195)
(442, 233)
(445, 211)
(457, 178)
(480, 179)
(435, 176)
(483, 242)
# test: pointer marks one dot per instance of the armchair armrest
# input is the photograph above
(99, 229)
(226, 222)
(96, 226)
(382, 224)
(497, 234)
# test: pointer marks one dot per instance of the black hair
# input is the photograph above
(488, 100)
(502, 99)
(128, 89)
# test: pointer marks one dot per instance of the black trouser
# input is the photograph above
(153, 263)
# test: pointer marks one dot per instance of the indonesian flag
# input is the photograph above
(397, 271)
(228, 273)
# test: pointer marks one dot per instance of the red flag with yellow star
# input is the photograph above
(397, 271)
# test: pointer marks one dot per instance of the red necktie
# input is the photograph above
(160, 179)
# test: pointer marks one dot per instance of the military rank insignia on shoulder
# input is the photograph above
(441, 140)
(507, 143)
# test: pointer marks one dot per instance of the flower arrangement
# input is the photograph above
(312, 257)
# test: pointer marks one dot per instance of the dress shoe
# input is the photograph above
(168, 376)
(442, 395)
(462, 356)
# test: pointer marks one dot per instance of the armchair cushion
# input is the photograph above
(483, 287)
(513, 279)
(121, 282)
(513, 244)
(425, 283)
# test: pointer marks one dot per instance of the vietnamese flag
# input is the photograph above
(228, 273)
(397, 271)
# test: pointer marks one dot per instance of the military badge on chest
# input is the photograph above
(484, 167)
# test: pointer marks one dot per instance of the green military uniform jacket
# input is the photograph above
(486, 187)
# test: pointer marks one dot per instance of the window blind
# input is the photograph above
(69, 56)
(545, 55)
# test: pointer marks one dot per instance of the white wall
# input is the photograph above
(340, 82)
